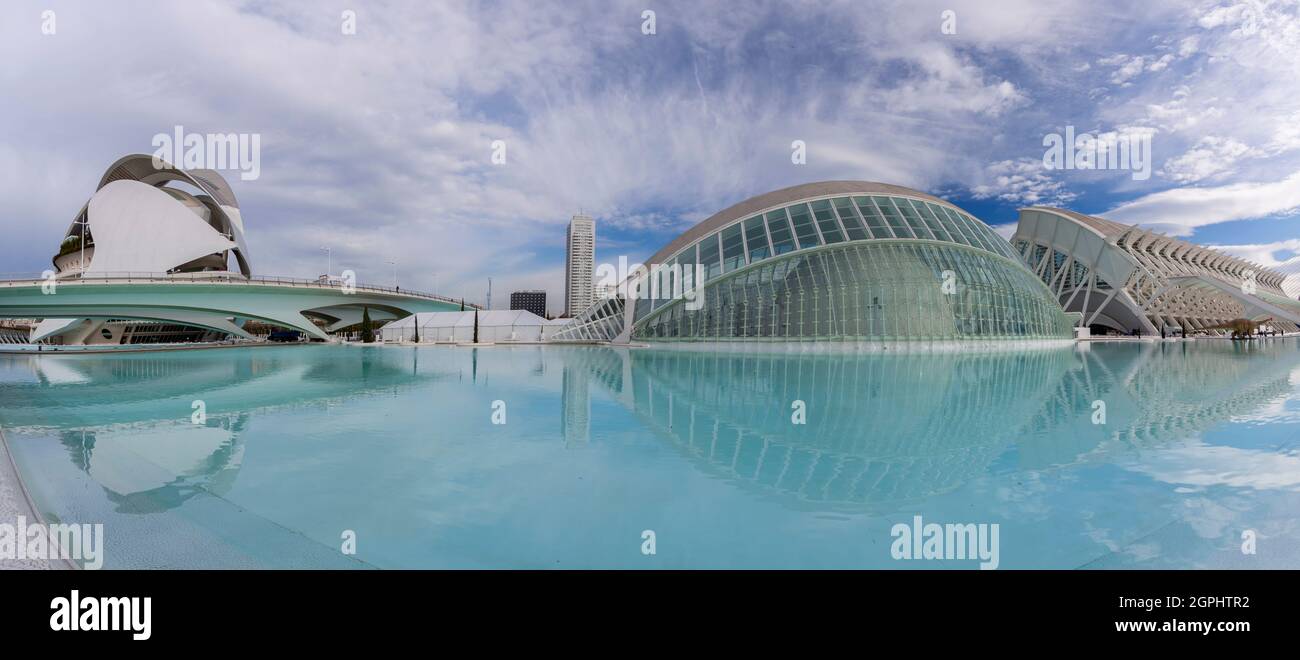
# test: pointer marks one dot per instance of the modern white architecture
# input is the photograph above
(1131, 280)
(158, 254)
(853, 264)
(494, 326)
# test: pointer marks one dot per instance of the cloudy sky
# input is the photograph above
(378, 144)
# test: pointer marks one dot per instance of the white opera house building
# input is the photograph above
(159, 255)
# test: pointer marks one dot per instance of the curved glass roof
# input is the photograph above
(818, 221)
(812, 223)
(803, 217)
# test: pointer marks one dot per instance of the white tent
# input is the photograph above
(496, 325)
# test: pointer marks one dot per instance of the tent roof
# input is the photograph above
(486, 319)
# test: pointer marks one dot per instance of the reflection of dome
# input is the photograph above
(834, 261)
(880, 429)
(139, 221)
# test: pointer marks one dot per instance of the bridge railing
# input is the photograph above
(30, 279)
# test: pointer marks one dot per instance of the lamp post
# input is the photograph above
(81, 260)
(394, 265)
(329, 261)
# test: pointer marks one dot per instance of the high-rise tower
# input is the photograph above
(580, 263)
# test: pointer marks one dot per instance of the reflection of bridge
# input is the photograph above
(214, 301)
(126, 389)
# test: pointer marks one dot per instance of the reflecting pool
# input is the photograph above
(1132, 454)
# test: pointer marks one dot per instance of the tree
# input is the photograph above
(415, 318)
(462, 304)
(367, 333)
(476, 326)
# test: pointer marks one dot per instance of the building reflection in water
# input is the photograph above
(883, 430)
(159, 467)
(575, 399)
(148, 464)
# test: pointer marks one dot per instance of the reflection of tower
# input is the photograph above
(575, 420)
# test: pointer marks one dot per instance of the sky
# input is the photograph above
(378, 142)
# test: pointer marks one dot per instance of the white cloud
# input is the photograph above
(1161, 64)
(1264, 254)
(377, 143)
(951, 84)
(1206, 465)
(1180, 210)
(1023, 181)
(1212, 156)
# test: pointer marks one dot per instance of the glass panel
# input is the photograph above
(710, 257)
(849, 217)
(803, 226)
(733, 248)
(687, 260)
(913, 220)
(779, 226)
(878, 291)
(947, 223)
(892, 216)
(932, 222)
(756, 239)
(996, 243)
(658, 279)
(980, 232)
(826, 221)
(955, 219)
(875, 221)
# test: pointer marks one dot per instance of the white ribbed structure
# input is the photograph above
(1131, 279)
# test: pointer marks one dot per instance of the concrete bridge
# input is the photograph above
(219, 302)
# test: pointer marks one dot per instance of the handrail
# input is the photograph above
(30, 279)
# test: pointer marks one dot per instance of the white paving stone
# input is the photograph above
(12, 505)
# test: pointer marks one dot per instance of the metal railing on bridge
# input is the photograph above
(30, 279)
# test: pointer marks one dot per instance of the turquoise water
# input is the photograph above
(1201, 442)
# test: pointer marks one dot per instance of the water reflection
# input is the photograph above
(152, 468)
(879, 429)
(302, 442)
(147, 463)
(882, 431)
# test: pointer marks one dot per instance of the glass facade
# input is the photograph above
(850, 266)
(819, 222)
(870, 291)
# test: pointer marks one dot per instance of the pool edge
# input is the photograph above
(25, 505)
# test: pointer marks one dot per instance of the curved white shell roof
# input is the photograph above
(139, 228)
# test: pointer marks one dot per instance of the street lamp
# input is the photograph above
(394, 265)
(81, 260)
(329, 261)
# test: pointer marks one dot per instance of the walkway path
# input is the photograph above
(13, 504)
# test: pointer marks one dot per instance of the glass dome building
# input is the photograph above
(837, 261)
